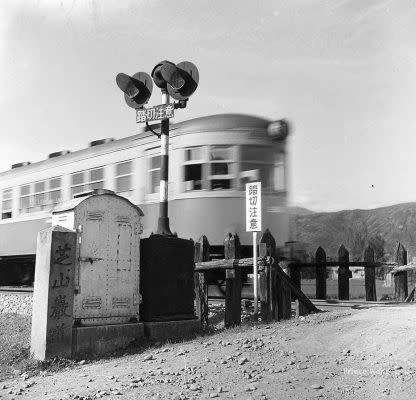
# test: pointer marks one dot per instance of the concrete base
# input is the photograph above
(101, 339)
(162, 331)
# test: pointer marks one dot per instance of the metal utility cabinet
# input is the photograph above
(107, 268)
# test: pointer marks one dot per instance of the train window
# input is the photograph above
(123, 183)
(39, 199)
(87, 180)
(77, 183)
(256, 165)
(97, 174)
(193, 168)
(96, 185)
(7, 203)
(124, 177)
(24, 203)
(193, 154)
(39, 187)
(256, 153)
(256, 171)
(6, 215)
(77, 189)
(55, 193)
(221, 168)
(221, 153)
(279, 176)
(124, 168)
(77, 178)
(55, 196)
(193, 177)
(54, 183)
(154, 174)
(24, 190)
(96, 180)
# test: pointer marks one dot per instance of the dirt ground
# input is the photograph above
(340, 354)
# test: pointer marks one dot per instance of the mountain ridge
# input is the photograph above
(389, 224)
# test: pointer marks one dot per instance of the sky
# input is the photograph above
(341, 71)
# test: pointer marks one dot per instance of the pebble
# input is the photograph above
(242, 361)
(148, 357)
(316, 386)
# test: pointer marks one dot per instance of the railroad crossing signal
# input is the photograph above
(179, 80)
(137, 88)
(176, 80)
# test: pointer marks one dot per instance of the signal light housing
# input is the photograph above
(179, 80)
(137, 88)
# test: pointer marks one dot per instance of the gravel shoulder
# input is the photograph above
(350, 354)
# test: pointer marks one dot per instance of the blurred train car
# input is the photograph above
(211, 159)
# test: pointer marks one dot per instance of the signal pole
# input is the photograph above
(178, 81)
(163, 221)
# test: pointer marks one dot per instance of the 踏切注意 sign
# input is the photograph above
(253, 207)
(155, 113)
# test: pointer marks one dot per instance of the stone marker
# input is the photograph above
(53, 296)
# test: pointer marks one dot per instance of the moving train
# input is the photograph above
(210, 160)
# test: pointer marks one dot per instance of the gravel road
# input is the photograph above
(352, 354)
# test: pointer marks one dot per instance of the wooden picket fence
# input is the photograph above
(344, 274)
(276, 288)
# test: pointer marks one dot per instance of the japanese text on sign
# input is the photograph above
(155, 113)
(253, 207)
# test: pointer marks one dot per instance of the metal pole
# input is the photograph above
(163, 222)
(255, 272)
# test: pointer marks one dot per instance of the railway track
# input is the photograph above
(16, 289)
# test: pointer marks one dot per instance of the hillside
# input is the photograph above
(354, 227)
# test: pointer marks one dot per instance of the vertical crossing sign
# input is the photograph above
(253, 224)
(253, 207)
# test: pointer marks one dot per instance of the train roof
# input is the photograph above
(210, 123)
(219, 122)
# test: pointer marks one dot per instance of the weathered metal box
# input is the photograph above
(167, 278)
(107, 269)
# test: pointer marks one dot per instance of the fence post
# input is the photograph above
(284, 297)
(232, 283)
(320, 259)
(300, 308)
(294, 273)
(370, 275)
(201, 282)
(400, 278)
(344, 274)
(268, 300)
